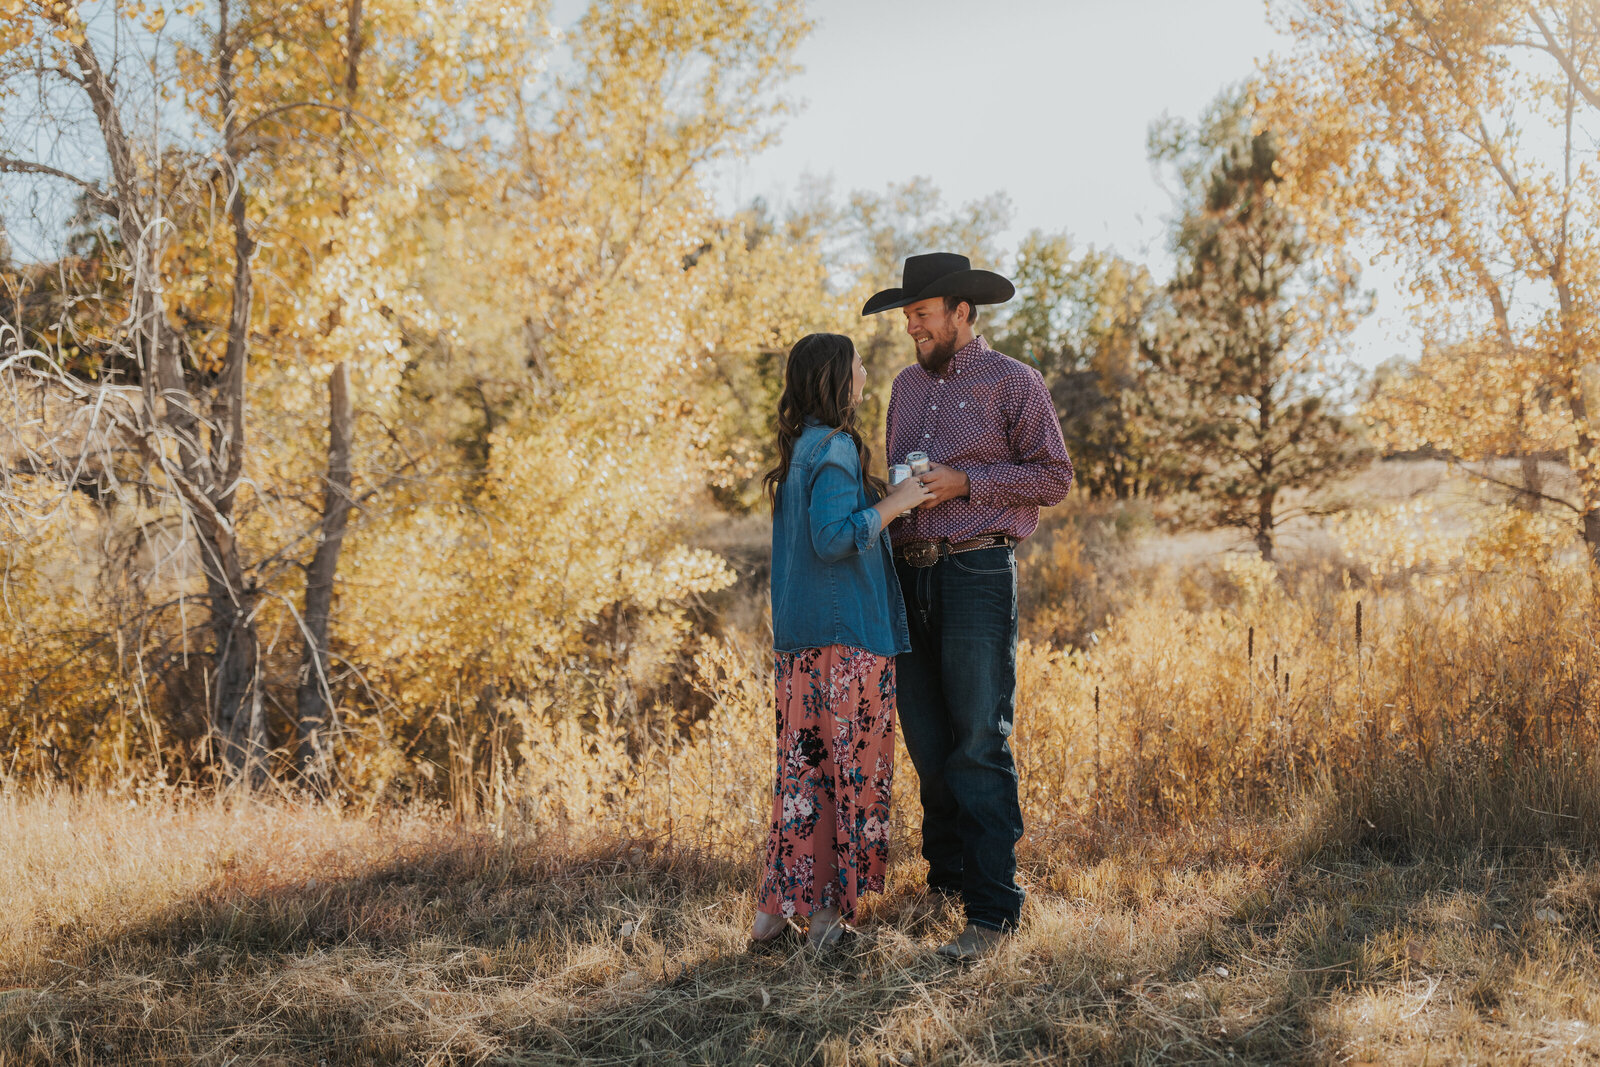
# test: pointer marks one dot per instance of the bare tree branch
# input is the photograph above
(1552, 46)
(12, 165)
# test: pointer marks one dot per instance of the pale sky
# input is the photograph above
(1047, 100)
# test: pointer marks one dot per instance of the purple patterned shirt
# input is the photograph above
(991, 417)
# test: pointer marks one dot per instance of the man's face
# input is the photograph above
(934, 330)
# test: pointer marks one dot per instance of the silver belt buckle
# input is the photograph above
(923, 554)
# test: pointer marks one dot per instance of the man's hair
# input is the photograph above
(953, 302)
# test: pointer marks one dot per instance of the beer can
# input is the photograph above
(898, 473)
(918, 461)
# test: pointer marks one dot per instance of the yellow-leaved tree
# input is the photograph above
(1454, 136)
(587, 294)
(430, 287)
(247, 170)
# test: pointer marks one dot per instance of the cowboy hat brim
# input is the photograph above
(978, 286)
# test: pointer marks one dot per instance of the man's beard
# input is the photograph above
(939, 356)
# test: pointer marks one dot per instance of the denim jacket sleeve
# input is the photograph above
(838, 529)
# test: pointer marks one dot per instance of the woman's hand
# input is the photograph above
(901, 499)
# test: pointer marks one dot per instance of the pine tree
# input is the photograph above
(1238, 384)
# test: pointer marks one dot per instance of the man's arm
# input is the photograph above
(889, 441)
(1040, 471)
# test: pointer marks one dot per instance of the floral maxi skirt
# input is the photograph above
(829, 841)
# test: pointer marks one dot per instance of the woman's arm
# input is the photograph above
(838, 529)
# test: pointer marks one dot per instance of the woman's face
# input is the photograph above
(858, 379)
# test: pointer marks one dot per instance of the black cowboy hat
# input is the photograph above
(941, 274)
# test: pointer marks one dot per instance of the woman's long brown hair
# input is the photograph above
(817, 383)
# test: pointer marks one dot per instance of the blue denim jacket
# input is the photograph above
(833, 580)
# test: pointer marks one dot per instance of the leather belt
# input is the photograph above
(927, 553)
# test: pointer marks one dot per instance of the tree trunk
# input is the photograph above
(1264, 505)
(314, 703)
(314, 697)
(1266, 496)
(1591, 534)
(240, 717)
(238, 725)
(238, 720)
(1531, 497)
(204, 479)
(1584, 396)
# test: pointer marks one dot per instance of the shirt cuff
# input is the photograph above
(868, 525)
(978, 485)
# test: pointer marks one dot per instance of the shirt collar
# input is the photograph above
(966, 356)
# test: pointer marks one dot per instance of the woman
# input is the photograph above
(837, 623)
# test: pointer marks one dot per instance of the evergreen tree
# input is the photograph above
(1237, 378)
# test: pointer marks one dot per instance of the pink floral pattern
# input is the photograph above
(829, 841)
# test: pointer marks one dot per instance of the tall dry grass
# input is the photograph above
(196, 929)
(1448, 702)
(1258, 828)
(1426, 692)
(1454, 712)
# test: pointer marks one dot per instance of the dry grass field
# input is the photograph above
(1258, 832)
(277, 933)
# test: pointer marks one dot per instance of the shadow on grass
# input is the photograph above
(383, 963)
(468, 950)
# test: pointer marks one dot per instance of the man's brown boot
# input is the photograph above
(973, 943)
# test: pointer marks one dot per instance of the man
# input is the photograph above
(988, 424)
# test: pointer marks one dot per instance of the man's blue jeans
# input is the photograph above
(957, 695)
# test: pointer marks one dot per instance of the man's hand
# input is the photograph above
(945, 483)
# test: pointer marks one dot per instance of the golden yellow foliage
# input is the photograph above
(1186, 707)
(1451, 136)
(500, 231)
